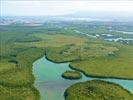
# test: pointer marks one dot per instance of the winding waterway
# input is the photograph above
(51, 85)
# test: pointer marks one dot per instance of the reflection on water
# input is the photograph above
(52, 86)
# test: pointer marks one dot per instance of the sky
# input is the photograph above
(61, 7)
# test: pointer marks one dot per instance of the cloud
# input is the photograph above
(47, 8)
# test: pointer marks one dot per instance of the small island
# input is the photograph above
(71, 75)
(97, 90)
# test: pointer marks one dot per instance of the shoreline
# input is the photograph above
(37, 92)
(111, 83)
(75, 69)
(96, 76)
(87, 75)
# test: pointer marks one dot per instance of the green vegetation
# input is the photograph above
(71, 75)
(118, 65)
(20, 46)
(16, 78)
(21, 73)
(97, 90)
(91, 56)
(18, 93)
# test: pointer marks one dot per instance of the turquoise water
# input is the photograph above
(52, 86)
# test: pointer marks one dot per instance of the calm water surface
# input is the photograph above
(52, 86)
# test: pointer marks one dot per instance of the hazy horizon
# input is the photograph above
(110, 10)
(56, 7)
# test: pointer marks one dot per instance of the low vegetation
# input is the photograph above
(118, 65)
(16, 80)
(20, 46)
(97, 90)
(18, 93)
(71, 75)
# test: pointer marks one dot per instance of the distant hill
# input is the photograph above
(77, 16)
(105, 16)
